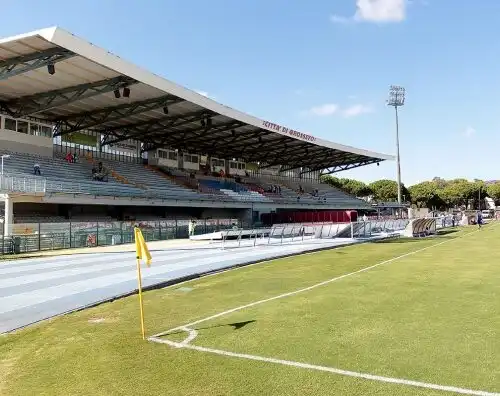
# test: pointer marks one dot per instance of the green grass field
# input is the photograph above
(430, 316)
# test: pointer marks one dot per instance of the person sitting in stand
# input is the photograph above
(36, 169)
(102, 172)
(69, 158)
(75, 158)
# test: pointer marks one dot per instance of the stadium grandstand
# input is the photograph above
(87, 136)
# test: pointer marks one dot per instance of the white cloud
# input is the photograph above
(340, 19)
(469, 132)
(330, 109)
(327, 109)
(356, 110)
(379, 11)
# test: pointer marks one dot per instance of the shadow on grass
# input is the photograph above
(234, 325)
(439, 237)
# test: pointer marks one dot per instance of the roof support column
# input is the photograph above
(9, 216)
(180, 159)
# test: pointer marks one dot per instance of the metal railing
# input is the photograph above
(33, 237)
(32, 185)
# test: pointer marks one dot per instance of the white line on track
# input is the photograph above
(192, 334)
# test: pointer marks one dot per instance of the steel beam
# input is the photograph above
(92, 119)
(29, 105)
(135, 131)
(146, 124)
(176, 141)
(258, 145)
(208, 131)
(340, 168)
(25, 63)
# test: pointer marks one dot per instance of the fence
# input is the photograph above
(32, 237)
(50, 236)
(22, 184)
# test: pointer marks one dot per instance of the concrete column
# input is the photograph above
(180, 159)
(9, 216)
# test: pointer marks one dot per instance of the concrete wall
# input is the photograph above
(23, 143)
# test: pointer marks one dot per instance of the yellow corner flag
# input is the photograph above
(141, 253)
(141, 249)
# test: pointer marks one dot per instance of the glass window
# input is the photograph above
(34, 128)
(172, 155)
(232, 165)
(194, 159)
(23, 126)
(45, 130)
(10, 124)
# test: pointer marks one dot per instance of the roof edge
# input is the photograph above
(46, 33)
(65, 39)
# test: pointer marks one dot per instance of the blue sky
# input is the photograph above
(322, 67)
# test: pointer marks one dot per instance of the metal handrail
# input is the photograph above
(34, 185)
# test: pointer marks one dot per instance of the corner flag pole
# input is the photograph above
(142, 252)
(141, 303)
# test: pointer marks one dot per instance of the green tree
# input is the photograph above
(425, 194)
(494, 191)
(458, 192)
(355, 187)
(387, 190)
(332, 181)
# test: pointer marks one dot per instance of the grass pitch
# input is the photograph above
(432, 316)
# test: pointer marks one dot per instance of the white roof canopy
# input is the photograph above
(55, 76)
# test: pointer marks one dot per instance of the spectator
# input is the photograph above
(365, 218)
(75, 158)
(69, 158)
(191, 227)
(36, 169)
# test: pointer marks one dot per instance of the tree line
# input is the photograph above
(436, 193)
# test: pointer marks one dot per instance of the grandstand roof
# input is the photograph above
(80, 95)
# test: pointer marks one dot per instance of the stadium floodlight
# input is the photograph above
(4, 156)
(397, 96)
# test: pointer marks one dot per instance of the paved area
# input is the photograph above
(37, 288)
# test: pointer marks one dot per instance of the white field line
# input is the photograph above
(332, 370)
(305, 289)
(192, 334)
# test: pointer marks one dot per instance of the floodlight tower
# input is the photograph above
(397, 96)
